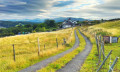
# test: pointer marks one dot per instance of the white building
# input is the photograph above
(68, 23)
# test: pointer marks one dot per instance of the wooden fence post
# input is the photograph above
(44, 46)
(103, 50)
(57, 42)
(97, 44)
(64, 41)
(104, 61)
(100, 41)
(100, 53)
(14, 52)
(38, 47)
(111, 68)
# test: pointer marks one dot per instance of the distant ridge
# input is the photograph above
(61, 19)
(14, 22)
(38, 20)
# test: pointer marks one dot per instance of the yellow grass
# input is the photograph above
(26, 48)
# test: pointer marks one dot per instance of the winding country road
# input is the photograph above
(75, 64)
(45, 62)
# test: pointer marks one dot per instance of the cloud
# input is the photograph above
(110, 5)
(63, 3)
(92, 9)
(23, 7)
(106, 10)
(2, 5)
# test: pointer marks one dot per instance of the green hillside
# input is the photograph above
(104, 29)
(112, 28)
(109, 25)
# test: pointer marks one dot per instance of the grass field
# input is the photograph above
(110, 29)
(26, 48)
(58, 64)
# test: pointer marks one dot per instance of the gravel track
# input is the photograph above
(75, 64)
(45, 62)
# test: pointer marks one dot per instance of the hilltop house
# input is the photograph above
(68, 23)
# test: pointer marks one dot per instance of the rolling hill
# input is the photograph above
(103, 29)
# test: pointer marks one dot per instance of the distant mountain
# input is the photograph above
(60, 19)
(37, 20)
(14, 22)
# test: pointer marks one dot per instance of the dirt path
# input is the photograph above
(76, 64)
(45, 62)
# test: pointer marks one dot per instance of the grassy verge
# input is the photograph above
(26, 48)
(58, 64)
(92, 60)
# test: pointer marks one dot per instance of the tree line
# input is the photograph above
(48, 25)
(8, 24)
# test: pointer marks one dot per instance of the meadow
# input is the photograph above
(26, 48)
(103, 29)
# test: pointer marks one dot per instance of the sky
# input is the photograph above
(32, 9)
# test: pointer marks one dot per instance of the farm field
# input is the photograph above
(26, 48)
(59, 35)
(104, 29)
(61, 62)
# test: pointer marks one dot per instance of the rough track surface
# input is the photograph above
(45, 62)
(75, 64)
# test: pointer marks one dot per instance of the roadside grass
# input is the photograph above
(91, 62)
(61, 62)
(26, 48)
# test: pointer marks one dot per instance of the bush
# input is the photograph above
(67, 45)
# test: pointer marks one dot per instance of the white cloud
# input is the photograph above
(92, 9)
(2, 5)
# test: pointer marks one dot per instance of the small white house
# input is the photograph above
(66, 26)
(68, 23)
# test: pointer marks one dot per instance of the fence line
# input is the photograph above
(100, 43)
(41, 47)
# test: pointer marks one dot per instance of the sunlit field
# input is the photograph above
(104, 29)
(26, 48)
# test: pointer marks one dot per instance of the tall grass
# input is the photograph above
(26, 48)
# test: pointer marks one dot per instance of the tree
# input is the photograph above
(28, 25)
(50, 23)
(44, 29)
(42, 25)
(35, 26)
(33, 31)
(47, 21)
(19, 25)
